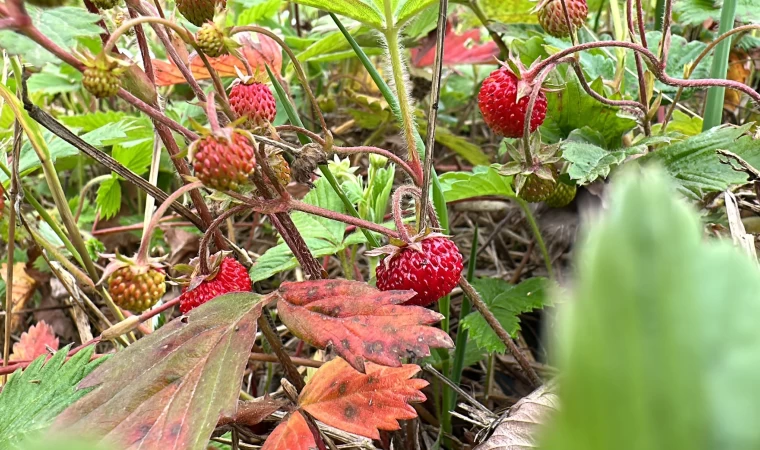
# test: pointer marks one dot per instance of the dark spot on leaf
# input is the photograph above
(345, 343)
(183, 319)
(312, 292)
(374, 347)
(349, 412)
(372, 379)
(342, 388)
(176, 429)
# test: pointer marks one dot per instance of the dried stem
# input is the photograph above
(479, 305)
(435, 94)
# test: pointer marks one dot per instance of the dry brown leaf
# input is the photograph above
(22, 290)
(738, 70)
(519, 430)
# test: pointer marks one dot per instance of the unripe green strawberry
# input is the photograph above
(552, 17)
(254, 101)
(211, 40)
(536, 189)
(102, 75)
(47, 3)
(136, 289)
(105, 4)
(223, 160)
(199, 12)
(562, 196)
(279, 166)
(119, 17)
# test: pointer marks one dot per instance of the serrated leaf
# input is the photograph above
(109, 197)
(651, 291)
(136, 158)
(53, 80)
(79, 24)
(34, 342)
(521, 427)
(361, 403)
(506, 302)
(509, 11)
(32, 398)
(92, 121)
(407, 9)
(482, 181)
(461, 146)
(359, 322)
(589, 162)
(364, 11)
(255, 13)
(571, 108)
(695, 12)
(191, 368)
(682, 123)
(695, 165)
(291, 434)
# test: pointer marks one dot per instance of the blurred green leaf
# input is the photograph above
(482, 181)
(78, 23)
(32, 398)
(506, 302)
(658, 348)
(52, 80)
(509, 11)
(257, 11)
(682, 123)
(92, 121)
(364, 11)
(695, 12)
(472, 153)
(694, 164)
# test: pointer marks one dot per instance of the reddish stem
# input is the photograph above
(204, 250)
(351, 220)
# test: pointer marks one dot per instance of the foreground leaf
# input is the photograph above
(169, 389)
(658, 349)
(506, 302)
(293, 434)
(361, 403)
(32, 398)
(519, 430)
(360, 322)
(34, 342)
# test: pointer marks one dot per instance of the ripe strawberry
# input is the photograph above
(254, 101)
(223, 160)
(562, 195)
(102, 74)
(136, 288)
(552, 18)
(105, 4)
(211, 40)
(431, 267)
(199, 11)
(503, 103)
(536, 189)
(230, 276)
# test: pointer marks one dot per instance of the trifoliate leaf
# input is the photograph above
(109, 197)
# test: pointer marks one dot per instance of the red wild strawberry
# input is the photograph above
(254, 101)
(552, 17)
(430, 267)
(501, 109)
(223, 163)
(230, 276)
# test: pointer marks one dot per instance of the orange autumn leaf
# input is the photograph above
(360, 403)
(738, 70)
(22, 290)
(294, 434)
(259, 50)
(34, 342)
(360, 322)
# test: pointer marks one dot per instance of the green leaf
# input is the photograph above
(78, 23)
(461, 146)
(168, 389)
(258, 11)
(509, 11)
(682, 123)
(364, 11)
(695, 12)
(506, 302)
(409, 8)
(135, 158)
(279, 258)
(331, 46)
(571, 108)
(694, 164)
(53, 80)
(589, 162)
(92, 121)
(32, 398)
(109, 197)
(658, 347)
(482, 181)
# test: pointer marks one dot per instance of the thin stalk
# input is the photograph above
(12, 194)
(716, 95)
(536, 234)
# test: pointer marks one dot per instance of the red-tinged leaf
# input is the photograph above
(34, 342)
(359, 321)
(259, 50)
(291, 435)
(254, 411)
(361, 403)
(168, 390)
(458, 49)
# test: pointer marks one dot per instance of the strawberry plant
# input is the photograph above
(348, 233)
